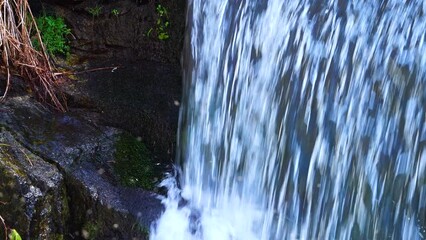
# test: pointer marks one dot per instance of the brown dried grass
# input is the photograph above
(19, 57)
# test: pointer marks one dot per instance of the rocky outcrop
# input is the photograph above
(57, 177)
(32, 191)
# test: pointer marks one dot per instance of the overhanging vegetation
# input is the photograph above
(18, 56)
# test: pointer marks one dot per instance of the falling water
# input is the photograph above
(301, 119)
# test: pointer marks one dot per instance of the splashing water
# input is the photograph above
(301, 120)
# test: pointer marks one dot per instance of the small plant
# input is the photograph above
(13, 234)
(162, 24)
(161, 11)
(53, 31)
(95, 11)
(115, 12)
(148, 34)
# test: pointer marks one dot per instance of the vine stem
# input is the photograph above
(4, 226)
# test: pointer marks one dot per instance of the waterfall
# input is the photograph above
(301, 119)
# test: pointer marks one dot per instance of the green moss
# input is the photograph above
(65, 205)
(133, 163)
(8, 161)
(14, 211)
(141, 230)
(58, 236)
(145, 232)
(90, 230)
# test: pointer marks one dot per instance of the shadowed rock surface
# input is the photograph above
(32, 190)
(57, 177)
(142, 98)
(128, 34)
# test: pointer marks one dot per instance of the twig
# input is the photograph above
(86, 71)
(28, 158)
(18, 55)
(6, 61)
(4, 226)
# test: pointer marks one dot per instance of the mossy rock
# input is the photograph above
(90, 230)
(13, 206)
(31, 192)
(133, 163)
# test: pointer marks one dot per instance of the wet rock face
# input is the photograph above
(61, 139)
(31, 190)
(126, 29)
(142, 98)
(57, 180)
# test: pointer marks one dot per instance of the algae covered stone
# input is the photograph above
(133, 163)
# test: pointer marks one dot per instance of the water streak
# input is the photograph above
(301, 119)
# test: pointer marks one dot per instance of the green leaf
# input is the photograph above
(148, 34)
(163, 36)
(14, 235)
